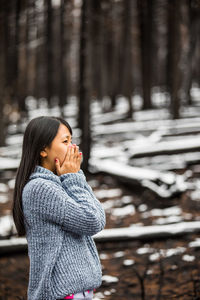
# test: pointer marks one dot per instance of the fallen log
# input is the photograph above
(167, 162)
(147, 232)
(117, 234)
(166, 126)
(13, 245)
(164, 184)
(163, 148)
(9, 163)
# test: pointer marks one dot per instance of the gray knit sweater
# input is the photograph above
(61, 216)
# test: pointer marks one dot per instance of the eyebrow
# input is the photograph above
(66, 136)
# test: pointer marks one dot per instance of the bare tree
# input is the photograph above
(49, 51)
(174, 56)
(2, 70)
(84, 87)
(21, 57)
(126, 78)
(96, 48)
(193, 31)
(62, 68)
(145, 12)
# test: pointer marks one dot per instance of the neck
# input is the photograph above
(47, 166)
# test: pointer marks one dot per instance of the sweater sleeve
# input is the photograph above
(71, 205)
(86, 186)
(77, 188)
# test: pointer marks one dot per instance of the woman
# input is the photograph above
(58, 212)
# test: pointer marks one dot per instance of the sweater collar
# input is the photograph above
(41, 172)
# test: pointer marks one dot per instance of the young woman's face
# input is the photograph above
(57, 149)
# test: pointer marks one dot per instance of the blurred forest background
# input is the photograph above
(57, 49)
(125, 74)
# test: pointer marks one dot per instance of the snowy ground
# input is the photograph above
(161, 161)
(152, 151)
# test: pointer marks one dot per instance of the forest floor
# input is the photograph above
(160, 268)
(165, 268)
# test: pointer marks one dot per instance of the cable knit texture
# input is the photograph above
(61, 216)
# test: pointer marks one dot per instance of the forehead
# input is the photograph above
(63, 131)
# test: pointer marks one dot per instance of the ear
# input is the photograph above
(43, 154)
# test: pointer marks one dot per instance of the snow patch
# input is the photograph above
(11, 184)
(168, 220)
(188, 258)
(156, 212)
(98, 296)
(119, 254)
(109, 279)
(123, 211)
(4, 198)
(107, 293)
(195, 243)
(9, 163)
(145, 250)
(195, 195)
(128, 262)
(110, 193)
(166, 253)
(104, 256)
(6, 223)
(3, 188)
(108, 204)
(127, 199)
(142, 207)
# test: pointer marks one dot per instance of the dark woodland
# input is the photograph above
(55, 49)
(126, 75)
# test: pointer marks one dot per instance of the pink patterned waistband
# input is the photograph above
(71, 296)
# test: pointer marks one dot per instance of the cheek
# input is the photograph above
(62, 153)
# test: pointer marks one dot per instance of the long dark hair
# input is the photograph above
(39, 134)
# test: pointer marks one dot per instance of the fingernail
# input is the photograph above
(56, 160)
(80, 153)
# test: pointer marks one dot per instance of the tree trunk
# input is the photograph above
(145, 9)
(3, 49)
(105, 38)
(30, 53)
(49, 50)
(40, 52)
(193, 26)
(126, 78)
(62, 68)
(96, 40)
(16, 48)
(174, 56)
(84, 88)
(111, 57)
(21, 71)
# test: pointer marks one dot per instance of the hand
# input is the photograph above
(71, 163)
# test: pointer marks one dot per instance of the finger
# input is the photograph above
(57, 164)
(71, 152)
(80, 157)
(75, 147)
(68, 154)
(78, 162)
(76, 153)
